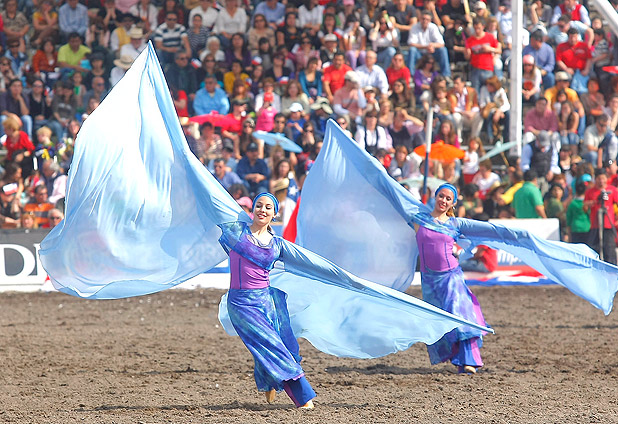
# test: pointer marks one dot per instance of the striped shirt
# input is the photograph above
(170, 37)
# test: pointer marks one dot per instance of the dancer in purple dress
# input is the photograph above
(443, 286)
(258, 311)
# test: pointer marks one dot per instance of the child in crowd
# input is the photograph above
(471, 160)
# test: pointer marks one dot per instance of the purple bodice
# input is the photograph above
(435, 250)
(250, 260)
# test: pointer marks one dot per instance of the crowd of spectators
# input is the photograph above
(377, 67)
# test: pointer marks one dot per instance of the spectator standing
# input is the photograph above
(578, 219)
(527, 201)
(602, 197)
(480, 50)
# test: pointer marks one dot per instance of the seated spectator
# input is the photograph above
(403, 164)
(310, 79)
(406, 130)
(371, 137)
(55, 216)
(210, 144)
(72, 54)
(495, 108)
(531, 80)
(593, 137)
(465, 106)
(231, 19)
(198, 36)
(253, 171)
(10, 209)
(63, 104)
(321, 113)
(181, 74)
(447, 134)
(72, 18)
(544, 57)
(574, 58)
(568, 122)
(541, 156)
(98, 91)
(283, 169)
(40, 109)
(293, 94)
(120, 35)
(403, 17)
(235, 73)
(540, 118)
(259, 30)
(213, 48)
(19, 60)
(122, 65)
(147, 14)
(269, 87)
(44, 62)
(485, 178)
(557, 34)
(354, 42)
(211, 98)
(97, 35)
(279, 72)
(14, 103)
(593, 101)
(384, 40)
(455, 38)
(225, 178)
(170, 37)
(296, 122)
(425, 38)
(350, 100)
(55, 181)
(238, 52)
(397, 70)
(573, 9)
(98, 69)
(41, 206)
(170, 6)
(265, 115)
(370, 74)
(423, 77)
(471, 205)
(27, 221)
(310, 15)
(209, 68)
(330, 47)
(470, 165)
(15, 24)
(288, 34)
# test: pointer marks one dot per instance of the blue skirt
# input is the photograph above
(448, 291)
(260, 317)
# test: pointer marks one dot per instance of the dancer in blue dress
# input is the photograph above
(258, 311)
(443, 286)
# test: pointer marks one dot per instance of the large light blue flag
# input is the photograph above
(142, 215)
(374, 214)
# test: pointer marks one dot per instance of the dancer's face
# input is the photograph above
(444, 200)
(264, 211)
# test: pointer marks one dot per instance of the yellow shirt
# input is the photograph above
(65, 54)
(508, 195)
(229, 79)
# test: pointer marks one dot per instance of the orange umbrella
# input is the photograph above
(441, 152)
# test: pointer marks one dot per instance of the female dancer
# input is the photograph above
(443, 286)
(259, 312)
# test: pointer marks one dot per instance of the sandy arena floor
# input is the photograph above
(164, 359)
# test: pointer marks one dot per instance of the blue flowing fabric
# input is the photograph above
(374, 214)
(143, 215)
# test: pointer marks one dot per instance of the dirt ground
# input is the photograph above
(164, 359)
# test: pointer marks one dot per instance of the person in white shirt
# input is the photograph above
(425, 37)
(231, 19)
(209, 13)
(372, 75)
(372, 136)
(147, 13)
(310, 16)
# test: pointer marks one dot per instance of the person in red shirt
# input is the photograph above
(16, 140)
(334, 76)
(480, 51)
(602, 197)
(574, 55)
(398, 70)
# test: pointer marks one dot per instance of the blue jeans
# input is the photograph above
(569, 139)
(440, 55)
(478, 77)
(385, 56)
(549, 80)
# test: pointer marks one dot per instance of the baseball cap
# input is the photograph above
(252, 147)
(480, 5)
(296, 107)
(330, 37)
(562, 76)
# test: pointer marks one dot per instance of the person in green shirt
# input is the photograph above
(71, 55)
(577, 219)
(527, 201)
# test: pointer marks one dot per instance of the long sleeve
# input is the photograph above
(574, 266)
